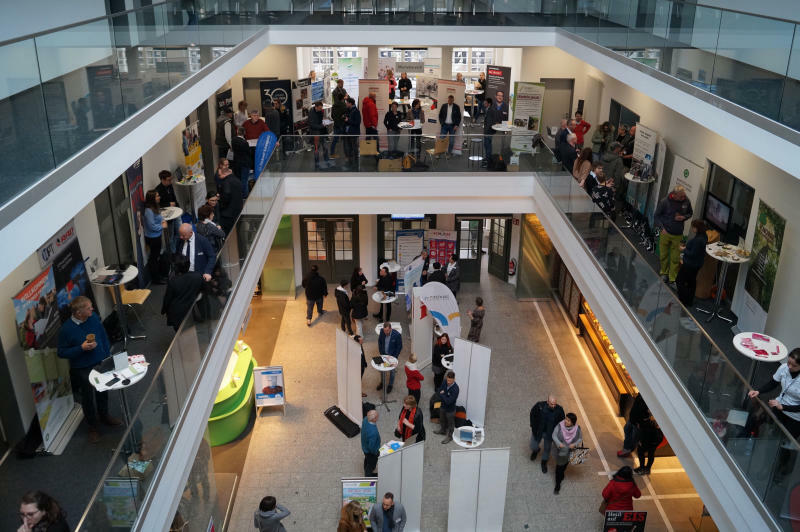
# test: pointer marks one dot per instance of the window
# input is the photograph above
(390, 226)
(498, 236)
(468, 239)
(472, 60)
(343, 241)
(460, 56)
(324, 58)
(122, 61)
(315, 233)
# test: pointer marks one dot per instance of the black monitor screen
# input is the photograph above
(717, 213)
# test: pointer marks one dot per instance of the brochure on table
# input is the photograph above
(268, 385)
(380, 87)
(526, 112)
(362, 490)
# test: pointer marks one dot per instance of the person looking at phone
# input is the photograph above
(83, 341)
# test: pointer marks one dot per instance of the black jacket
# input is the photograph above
(273, 119)
(439, 351)
(456, 114)
(403, 85)
(436, 277)
(385, 283)
(180, 295)
(230, 198)
(315, 285)
(359, 303)
(493, 116)
(453, 278)
(315, 122)
(391, 121)
(241, 152)
(357, 280)
(650, 435)
(166, 195)
(695, 253)
(667, 209)
(639, 411)
(537, 417)
(342, 301)
(568, 155)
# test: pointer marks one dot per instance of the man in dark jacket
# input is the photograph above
(182, 290)
(224, 131)
(453, 275)
(436, 275)
(449, 120)
(230, 202)
(694, 254)
(671, 214)
(352, 130)
(493, 116)
(316, 289)
(273, 118)
(545, 415)
(320, 134)
(638, 413)
(343, 302)
(390, 342)
(447, 412)
(242, 156)
(614, 170)
(568, 152)
(338, 114)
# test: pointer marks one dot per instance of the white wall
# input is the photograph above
(165, 155)
(692, 141)
(273, 61)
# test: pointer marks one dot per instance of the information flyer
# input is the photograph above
(362, 490)
(268, 386)
(526, 112)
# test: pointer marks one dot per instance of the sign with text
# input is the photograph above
(498, 78)
(301, 102)
(624, 521)
(53, 247)
(268, 385)
(526, 112)
(362, 490)
(442, 244)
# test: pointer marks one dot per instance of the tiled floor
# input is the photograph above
(300, 458)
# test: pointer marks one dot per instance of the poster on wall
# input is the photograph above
(277, 92)
(318, 91)
(692, 178)
(301, 102)
(498, 78)
(644, 154)
(526, 112)
(442, 244)
(349, 70)
(224, 99)
(135, 179)
(362, 490)
(384, 65)
(268, 386)
(412, 276)
(447, 88)
(766, 253)
(380, 87)
(432, 67)
(37, 324)
(192, 153)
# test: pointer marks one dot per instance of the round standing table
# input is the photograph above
(128, 275)
(126, 378)
(478, 437)
(727, 254)
(760, 348)
(408, 126)
(636, 181)
(447, 361)
(378, 297)
(389, 363)
(191, 191)
(507, 130)
(392, 265)
(169, 214)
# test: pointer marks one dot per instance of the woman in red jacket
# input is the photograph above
(413, 377)
(621, 490)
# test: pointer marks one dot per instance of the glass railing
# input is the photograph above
(759, 444)
(64, 89)
(116, 500)
(405, 152)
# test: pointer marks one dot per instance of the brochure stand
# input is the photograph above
(478, 481)
(471, 366)
(401, 473)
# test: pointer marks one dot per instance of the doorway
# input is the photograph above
(558, 94)
(330, 244)
(499, 246)
(473, 233)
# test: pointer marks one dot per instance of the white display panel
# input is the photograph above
(341, 369)
(401, 474)
(390, 475)
(471, 364)
(462, 360)
(492, 489)
(352, 404)
(464, 475)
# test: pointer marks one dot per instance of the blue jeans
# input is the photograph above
(449, 129)
(547, 443)
(310, 307)
(487, 147)
(337, 131)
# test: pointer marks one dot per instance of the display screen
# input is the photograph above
(717, 213)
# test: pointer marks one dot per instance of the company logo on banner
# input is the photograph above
(442, 306)
(412, 276)
(264, 148)
(56, 244)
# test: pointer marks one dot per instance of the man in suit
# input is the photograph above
(436, 275)
(242, 156)
(453, 275)
(198, 250)
(230, 202)
(181, 291)
(352, 129)
(450, 119)
(390, 342)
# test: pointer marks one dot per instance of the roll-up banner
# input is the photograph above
(264, 148)
(644, 154)
(526, 112)
(350, 70)
(278, 92)
(498, 78)
(447, 88)
(192, 152)
(301, 102)
(134, 177)
(442, 306)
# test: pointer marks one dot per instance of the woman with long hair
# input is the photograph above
(39, 512)
(223, 171)
(154, 226)
(358, 278)
(476, 320)
(358, 308)
(392, 83)
(352, 518)
(582, 166)
(621, 490)
(567, 436)
(415, 135)
(442, 347)
(409, 422)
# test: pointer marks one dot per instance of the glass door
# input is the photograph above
(499, 247)
(468, 248)
(329, 243)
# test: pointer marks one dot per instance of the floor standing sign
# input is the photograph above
(268, 386)
(361, 490)
(624, 521)
(526, 112)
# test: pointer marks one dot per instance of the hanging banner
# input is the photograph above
(268, 386)
(264, 148)
(38, 323)
(412, 276)
(135, 178)
(447, 88)
(526, 112)
(442, 245)
(277, 92)
(767, 242)
(58, 243)
(192, 153)
(384, 65)
(691, 177)
(442, 306)
(349, 70)
(362, 490)
(498, 78)
(379, 87)
(301, 102)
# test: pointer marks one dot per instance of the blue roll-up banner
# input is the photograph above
(264, 148)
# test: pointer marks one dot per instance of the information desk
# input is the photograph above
(235, 399)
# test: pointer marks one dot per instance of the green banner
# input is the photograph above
(767, 242)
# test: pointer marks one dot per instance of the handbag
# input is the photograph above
(578, 455)
(603, 506)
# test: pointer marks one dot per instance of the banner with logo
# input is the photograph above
(264, 148)
(526, 112)
(277, 92)
(442, 306)
(135, 178)
(57, 243)
(498, 78)
(412, 276)
(442, 244)
(38, 323)
(301, 103)
(350, 70)
(192, 153)
(380, 87)
(644, 154)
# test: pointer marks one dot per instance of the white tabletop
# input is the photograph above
(326, 105)
(506, 127)
(326, 122)
(134, 373)
(170, 213)
(192, 180)
(396, 325)
(128, 275)
(633, 179)
(378, 298)
(728, 253)
(478, 437)
(392, 361)
(759, 346)
(252, 142)
(473, 92)
(392, 265)
(407, 125)
(447, 361)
